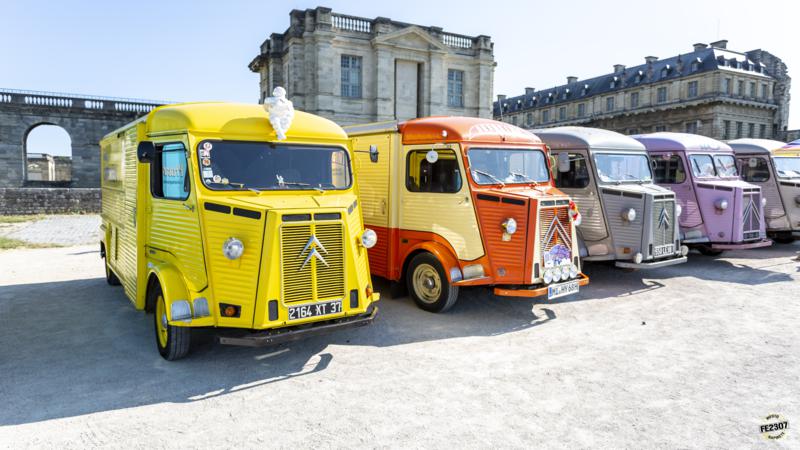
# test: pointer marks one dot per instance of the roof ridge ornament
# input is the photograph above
(281, 112)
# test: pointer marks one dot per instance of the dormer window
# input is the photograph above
(665, 71)
(696, 64)
(549, 98)
(639, 76)
(614, 82)
(565, 94)
(585, 89)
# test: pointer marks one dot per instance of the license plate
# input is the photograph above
(663, 250)
(314, 310)
(560, 290)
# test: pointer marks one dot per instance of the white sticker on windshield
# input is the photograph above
(208, 172)
(207, 145)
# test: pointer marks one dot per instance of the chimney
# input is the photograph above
(529, 91)
(501, 98)
(699, 46)
(720, 44)
(571, 79)
(619, 68)
(650, 59)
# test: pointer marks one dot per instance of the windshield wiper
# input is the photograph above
(523, 176)
(233, 183)
(487, 174)
(301, 184)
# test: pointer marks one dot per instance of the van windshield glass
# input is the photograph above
(620, 168)
(702, 166)
(235, 165)
(508, 165)
(787, 167)
(725, 165)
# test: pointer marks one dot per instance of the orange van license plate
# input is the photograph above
(562, 289)
(315, 309)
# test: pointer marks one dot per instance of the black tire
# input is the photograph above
(177, 340)
(441, 296)
(708, 251)
(111, 277)
(783, 238)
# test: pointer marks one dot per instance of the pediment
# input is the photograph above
(411, 37)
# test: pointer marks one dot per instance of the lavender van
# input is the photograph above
(720, 211)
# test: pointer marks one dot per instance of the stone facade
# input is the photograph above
(711, 91)
(24, 201)
(356, 70)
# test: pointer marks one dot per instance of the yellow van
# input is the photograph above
(210, 219)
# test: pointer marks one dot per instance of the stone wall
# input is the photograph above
(24, 201)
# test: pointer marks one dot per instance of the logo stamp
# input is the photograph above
(774, 427)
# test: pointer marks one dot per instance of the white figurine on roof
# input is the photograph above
(281, 112)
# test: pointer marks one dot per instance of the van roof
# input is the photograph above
(682, 142)
(459, 129)
(241, 119)
(588, 138)
(755, 145)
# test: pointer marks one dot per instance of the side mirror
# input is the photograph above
(373, 153)
(563, 162)
(145, 152)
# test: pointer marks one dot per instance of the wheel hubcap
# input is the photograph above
(427, 283)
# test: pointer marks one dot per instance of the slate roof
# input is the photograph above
(698, 61)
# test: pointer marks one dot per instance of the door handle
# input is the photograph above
(464, 202)
(383, 206)
(188, 207)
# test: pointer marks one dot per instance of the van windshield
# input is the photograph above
(787, 167)
(706, 166)
(237, 165)
(620, 168)
(508, 165)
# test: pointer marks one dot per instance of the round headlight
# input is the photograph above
(369, 238)
(233, 248)
(721, 204)
(637, 258)
(678, 210)
(629, 214)
(573, 271)
(763, 202)
(556, 274)
(565, 272)
(510, 225)
(548, 276)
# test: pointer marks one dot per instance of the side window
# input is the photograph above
(668, 169)
(754, 169)
(169, 177)
(578, 175)
(443, 175)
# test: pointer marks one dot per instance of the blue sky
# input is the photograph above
(199, 50)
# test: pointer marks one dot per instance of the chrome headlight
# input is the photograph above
(721, 204)
(369, 238)
(565, 272)
(548, 276)
(510, 225)
(233, 248)
(763, 202)
(629, 214)
(573, 271)
(556, 274)
(678, 210)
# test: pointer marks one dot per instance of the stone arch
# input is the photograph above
(47, 149)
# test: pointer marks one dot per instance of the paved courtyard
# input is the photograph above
(55, 230)
(689, 356)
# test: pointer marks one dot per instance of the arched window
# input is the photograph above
(48, 155)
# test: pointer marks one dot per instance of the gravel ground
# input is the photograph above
(689, 356)
(56, 230)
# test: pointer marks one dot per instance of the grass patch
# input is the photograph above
(7, 243)
(18, 219)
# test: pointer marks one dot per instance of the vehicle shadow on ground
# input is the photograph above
(78, 347)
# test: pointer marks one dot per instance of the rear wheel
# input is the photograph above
(428, 285)
(111, 277)
(172, 342)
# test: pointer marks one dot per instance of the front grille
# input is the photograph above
(303, 273)
(555, 237)
(751, 215)
(663, 222)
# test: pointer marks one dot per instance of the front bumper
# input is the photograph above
(534, 290)
(288, 334)
(742, 246)
(652, 264)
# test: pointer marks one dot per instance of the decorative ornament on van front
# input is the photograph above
(281, 112)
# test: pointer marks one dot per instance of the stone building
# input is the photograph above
(46, 167)
(357, 70)
(711, 91)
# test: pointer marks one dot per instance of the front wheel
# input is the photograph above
(783, 238)
(708, 251)
(428, 285)
(172, 342)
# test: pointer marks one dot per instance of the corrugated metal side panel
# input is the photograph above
(234, 281)
(177, 230)
(625, 234)
(127, 237)
(509, 255)
(373, 178)
(774, 208)
(353, 229)
(330, 277)
(593, 227)
(298, 284)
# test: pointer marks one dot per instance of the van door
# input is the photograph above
(580, 185)
(436, 200)
(173, 223)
